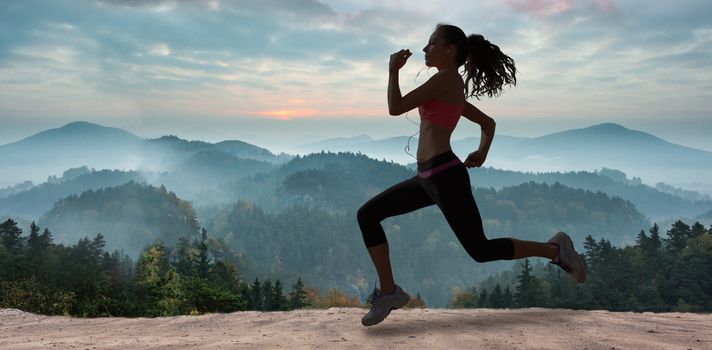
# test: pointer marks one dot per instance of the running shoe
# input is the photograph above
(382, 304)
(568, 259)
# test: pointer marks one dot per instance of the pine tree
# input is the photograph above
(96, 247)
(184, 257)
(257, 297)
(298, 297)
(655, 241)
(523, 295)
(224, 274)
(678, 235)
(280, 300)
(641, 240)
(10, 235)
(496, 299)
(592, 251)
(245, 293)
(35, 251)
(650, 259)
(203, 258)
(269, 298)
(697, 230)
(483, 300)
(508, 298)
(33, 241)
(46, 239)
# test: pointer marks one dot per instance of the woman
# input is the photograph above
(442, 178)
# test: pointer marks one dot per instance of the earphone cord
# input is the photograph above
(407, 147)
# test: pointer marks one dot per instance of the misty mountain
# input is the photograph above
(682, 193)
(73, 145)
(73, 135)
(296, 181)
(130, 216)
(37, 200)
(607, 145)
(198, 178)
(707, 216)
(655, 204)
(174, 150)
(86, 144)
(210, 177)
(604, 145)
(619, 146)
(342, 182)
(393, 148)
(310, 180)
(10, 190)
(333, 142)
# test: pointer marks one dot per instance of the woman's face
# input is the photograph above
(436, 52)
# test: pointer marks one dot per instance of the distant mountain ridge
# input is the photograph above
(79, 131)
(209, 177)
(607, 136)
(77, 144)
(585, 149)
(340, 141)
(35, 201)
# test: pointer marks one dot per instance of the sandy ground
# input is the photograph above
(335, 328)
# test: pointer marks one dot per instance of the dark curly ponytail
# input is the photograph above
(486, 66)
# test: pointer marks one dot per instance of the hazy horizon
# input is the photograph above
(264, 133)
(506, 154)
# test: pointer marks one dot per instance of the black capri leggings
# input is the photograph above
(441, 180)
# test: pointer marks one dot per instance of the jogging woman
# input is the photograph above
(442, 178)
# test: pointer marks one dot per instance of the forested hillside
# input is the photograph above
(37, 200)
(130, 216)
(326, 246)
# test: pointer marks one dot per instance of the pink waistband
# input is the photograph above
(430, 172)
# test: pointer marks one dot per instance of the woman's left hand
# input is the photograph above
(475, 159)
(398, 59)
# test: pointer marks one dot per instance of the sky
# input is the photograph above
(279, 73)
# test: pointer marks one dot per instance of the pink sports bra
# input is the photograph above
(441, 113)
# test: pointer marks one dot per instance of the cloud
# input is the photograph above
(576, 58)
(552, 8)
(160, 49)
(543, 8)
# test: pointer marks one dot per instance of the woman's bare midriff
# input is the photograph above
(433, 140)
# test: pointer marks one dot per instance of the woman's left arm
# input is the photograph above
(486, 123)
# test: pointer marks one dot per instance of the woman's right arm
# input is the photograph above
(486, 123)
